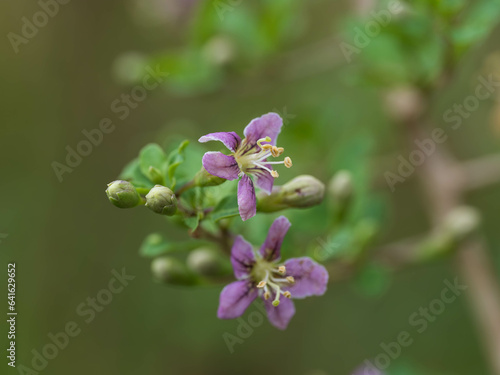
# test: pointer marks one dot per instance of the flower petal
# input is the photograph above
(235, 298)
(268, 125)
(247, 200)
(280, 315)
(242, 257)
(220, 165)
(310, 277)
(230, 139)
(264, 180)
(271, 249)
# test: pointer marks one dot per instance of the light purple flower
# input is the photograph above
(248, 158)
(259, 273)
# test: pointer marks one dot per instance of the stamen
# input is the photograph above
(275, 151)
(288, 162)
(267, 295)
(275, 174)
(267, 147)
(282, 270)
(276, 301)
(281, 150)
(291, 279)
(262, 284)
(287, 294)
(259, 142)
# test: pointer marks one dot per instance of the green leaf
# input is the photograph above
(155, 245)
(193, 222)
(132, 172)
(175, 159)
(479, 20)
(152, 160)
(227, 207)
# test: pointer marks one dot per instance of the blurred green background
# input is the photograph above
(66, 238)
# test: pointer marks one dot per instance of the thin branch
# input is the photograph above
(481, 172)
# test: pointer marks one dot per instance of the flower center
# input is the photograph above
(248, 160)
(271, 277)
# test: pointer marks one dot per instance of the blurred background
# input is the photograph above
(227, 63)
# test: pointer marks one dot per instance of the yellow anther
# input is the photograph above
(288, 162)
(281, 150)
(262, 284)
(287, 294)
(282, 269)
(291, 279)
(267, 147)
(275, 174)
(275, 151)
(267, 295)
(259, 142)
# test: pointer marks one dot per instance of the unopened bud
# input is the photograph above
(205, 179)
(341, 187)
(123, 194)
(461, 222)
(162, 200)
(172, 271)
(301, 192)
(207, 262)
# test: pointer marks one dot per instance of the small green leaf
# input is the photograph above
(175, 158)
(132, 172)
(227, 207)
(152, 160)
(193, 222)
(155, 245)
(156, 176)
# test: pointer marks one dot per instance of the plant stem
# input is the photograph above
(444, 186)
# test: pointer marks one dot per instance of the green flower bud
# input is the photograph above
(340, 186)
(205, 179)
(172, 271)
(208, 262)
(123, 194)
(301, 192)
(162, 200)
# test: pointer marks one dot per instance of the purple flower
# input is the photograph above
(248, 159)
(259, 273)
